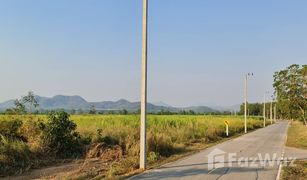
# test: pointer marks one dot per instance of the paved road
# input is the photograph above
(243, 157)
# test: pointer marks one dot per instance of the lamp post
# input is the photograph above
(144, 87)
(245, 100)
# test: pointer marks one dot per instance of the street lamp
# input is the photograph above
(144, 87)
(264, 117)
(245, 100)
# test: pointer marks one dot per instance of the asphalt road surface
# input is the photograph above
(253, 156)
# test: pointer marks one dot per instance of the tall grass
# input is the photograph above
(166, 134)
(180, 128)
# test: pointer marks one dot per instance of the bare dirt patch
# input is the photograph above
(96, 164)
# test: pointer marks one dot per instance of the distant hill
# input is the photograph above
(6, 104)
(62, 102)
(130, 106)
(160, 103)
(200, 109)
(227, 108)
(77, 102)
(219, 107)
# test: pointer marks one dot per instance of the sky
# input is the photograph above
(198, 50)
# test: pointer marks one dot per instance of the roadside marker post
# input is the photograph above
(227, 127)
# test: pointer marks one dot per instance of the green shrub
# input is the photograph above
(59, 135)
(14, 156)
(10, 128)
(153, 156)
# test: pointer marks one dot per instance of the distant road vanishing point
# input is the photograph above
(250, 157)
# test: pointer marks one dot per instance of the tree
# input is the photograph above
(73, 111)
(31, 100)
(10, 111)
(111, 112)
(255, 109)
(92, 110)
(191, 112)
(80, 111)
(290, 88)
(19, 107)
(124, 112)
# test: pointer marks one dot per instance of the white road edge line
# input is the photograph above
(282, 157)
(280, 167)
(212, 170)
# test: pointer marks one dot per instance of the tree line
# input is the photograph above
(256, 109)
(290, 90)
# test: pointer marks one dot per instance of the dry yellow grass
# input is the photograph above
(297, 135)
(169, 136)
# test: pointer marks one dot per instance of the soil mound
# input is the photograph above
(104, 152)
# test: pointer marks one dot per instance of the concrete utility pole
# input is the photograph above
(264, 110)
(271, 112)
(275, 111)
(245, 100)
(144, 87)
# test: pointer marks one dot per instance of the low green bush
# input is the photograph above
(59, 135)
(14, 156)
(10, 128)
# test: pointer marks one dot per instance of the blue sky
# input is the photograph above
(199, 50)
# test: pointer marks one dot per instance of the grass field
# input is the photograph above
(167, 136)
(297, 137)
(179, 128)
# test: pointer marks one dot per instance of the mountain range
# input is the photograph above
(77, 102)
